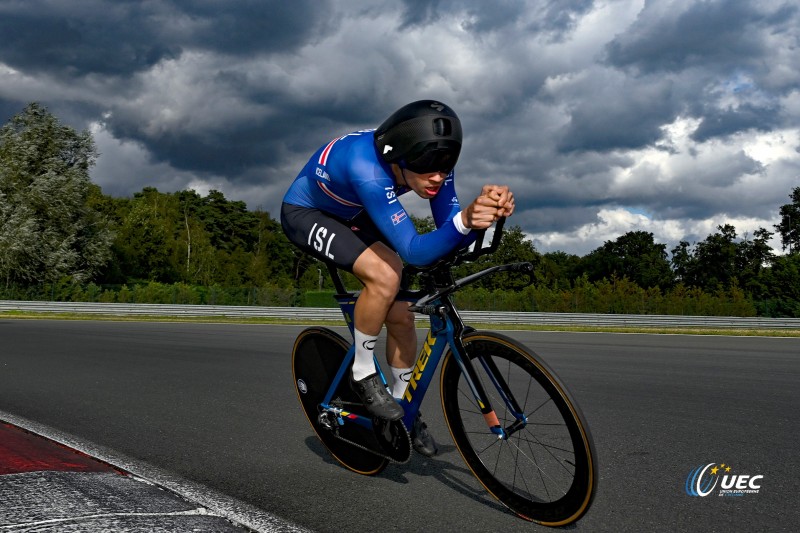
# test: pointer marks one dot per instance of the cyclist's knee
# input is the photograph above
(380, 270)
(387, 283)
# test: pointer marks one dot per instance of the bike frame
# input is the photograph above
(433, 349)
(446, 329)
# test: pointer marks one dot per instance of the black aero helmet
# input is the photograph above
(423, 136)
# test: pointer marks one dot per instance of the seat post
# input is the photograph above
(336, 278)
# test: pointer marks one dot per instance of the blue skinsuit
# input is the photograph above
(347, 176)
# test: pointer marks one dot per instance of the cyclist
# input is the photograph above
(343, 208)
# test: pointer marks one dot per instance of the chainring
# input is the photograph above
(393, 438)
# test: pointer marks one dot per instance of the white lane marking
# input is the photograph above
(192, 512)
(218, 503)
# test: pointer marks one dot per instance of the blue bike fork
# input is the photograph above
(479, 392)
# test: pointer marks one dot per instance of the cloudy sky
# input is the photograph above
(669, 116)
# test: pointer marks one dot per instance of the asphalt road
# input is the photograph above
(215, 404)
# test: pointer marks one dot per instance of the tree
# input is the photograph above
(781, 282)
(752, 256)
(229, 224)
(145, 246)
(789, 226)
(636, 256)
(19, 254)
(559, 269)
(272, 253)
(683, 263)
(722, 259)
(48, 227)
(716, 258)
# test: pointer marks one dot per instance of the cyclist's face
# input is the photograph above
(425, 185)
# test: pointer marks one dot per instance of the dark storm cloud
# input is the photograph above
(722, 122)
(8, 108)
(711, 34)
(72, 114)
(560, 218)
(79, 38)
(253, 26)
(100, 41)
(629, 115)
(83, 37)
(552, 18)
(284, 125)
(221, 152)
(231, 150)
(683, 61)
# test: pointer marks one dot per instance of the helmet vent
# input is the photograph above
(442, 127)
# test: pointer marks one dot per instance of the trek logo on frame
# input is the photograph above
(419, 368)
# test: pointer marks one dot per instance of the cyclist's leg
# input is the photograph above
(401, 354)
(401, 343)
(354, 246)
(379, 269)
(401, 336)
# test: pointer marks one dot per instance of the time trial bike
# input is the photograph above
(515, 424)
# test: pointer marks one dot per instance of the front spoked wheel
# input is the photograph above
(545, 470)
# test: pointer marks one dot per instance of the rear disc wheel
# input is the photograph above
(316, 358)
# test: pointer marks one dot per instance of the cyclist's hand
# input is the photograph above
(503, 198)
(480, 214)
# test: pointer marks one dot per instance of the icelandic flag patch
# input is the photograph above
(399, 217)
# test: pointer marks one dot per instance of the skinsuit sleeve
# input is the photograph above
(376, 189)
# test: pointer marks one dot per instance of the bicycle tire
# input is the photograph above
(545, 472)
(316, 358)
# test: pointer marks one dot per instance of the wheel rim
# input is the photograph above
(543, 471)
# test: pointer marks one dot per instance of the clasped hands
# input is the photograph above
(495, 201)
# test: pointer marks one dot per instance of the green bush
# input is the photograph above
(319, 299)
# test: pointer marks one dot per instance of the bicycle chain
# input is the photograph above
(341, 403)
(370, 450)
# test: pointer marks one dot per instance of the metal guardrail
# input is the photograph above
(492, 317)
